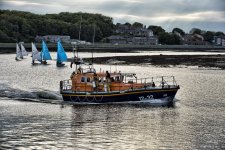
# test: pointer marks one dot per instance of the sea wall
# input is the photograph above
(104, 47)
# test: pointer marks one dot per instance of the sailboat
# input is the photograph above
(45, 55)
(61, 55)
(23, 51)
(18, 52)
(36, 55)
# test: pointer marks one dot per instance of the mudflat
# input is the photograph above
(217, 61)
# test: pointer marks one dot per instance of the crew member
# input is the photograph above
(95, 82)
(108, 80)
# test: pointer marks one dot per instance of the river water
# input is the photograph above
(33, 116)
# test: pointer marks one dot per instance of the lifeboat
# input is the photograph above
(88, 86)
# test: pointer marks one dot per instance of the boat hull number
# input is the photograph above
(145, 98)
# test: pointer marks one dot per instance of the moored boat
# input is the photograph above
(88, 86)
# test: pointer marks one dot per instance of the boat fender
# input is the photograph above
(93, 84)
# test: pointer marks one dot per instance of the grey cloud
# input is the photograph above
(166, 13)
(160, 7)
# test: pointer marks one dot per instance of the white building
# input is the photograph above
(219, 40)
(54, 38)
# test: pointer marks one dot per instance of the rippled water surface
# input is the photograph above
(195, 122)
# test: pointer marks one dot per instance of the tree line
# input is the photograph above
(24, 26)
(18, 26)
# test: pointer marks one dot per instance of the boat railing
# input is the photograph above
(131, 84)
(160, 81)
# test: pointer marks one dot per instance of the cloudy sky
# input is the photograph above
(207, 15)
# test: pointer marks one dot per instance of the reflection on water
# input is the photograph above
(195, 122)
(48, 126)
(83, 127)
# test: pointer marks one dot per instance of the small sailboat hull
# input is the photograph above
(60, 64)
(17, 59)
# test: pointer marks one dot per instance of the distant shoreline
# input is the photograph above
(105, 47)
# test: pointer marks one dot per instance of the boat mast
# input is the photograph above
(93, 39)
(80, 27)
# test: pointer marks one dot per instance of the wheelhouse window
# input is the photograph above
(85, 79)
(82, 79)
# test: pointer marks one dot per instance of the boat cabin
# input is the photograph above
(87, 80)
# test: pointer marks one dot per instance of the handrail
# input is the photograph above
(142, 83)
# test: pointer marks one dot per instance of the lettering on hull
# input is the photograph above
(145, 98)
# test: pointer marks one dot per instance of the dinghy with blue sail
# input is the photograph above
(45, 55)
(61, 55)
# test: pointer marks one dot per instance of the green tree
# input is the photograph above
(137, 25)
(128, 24)
(4, 37)
(219, 33)
(208, 36)
(24, 26)
(169, 39)
(196, 31)
(179, 31)
(156, 29)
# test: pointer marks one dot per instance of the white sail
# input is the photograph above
(18, 51)
(36, 55)
(24, 52)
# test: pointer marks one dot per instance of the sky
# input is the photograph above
(208, 15)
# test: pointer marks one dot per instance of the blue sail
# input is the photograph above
(45, 55)
(61, 55)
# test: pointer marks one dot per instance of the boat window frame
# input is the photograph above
(88, 79)
(85, 79)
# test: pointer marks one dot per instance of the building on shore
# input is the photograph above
(219, 40)
(126, 34)
(194, 39)
(53, 38)
(117, 39)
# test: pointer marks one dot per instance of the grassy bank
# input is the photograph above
(105, 47)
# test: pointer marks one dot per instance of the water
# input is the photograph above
(33, 116)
